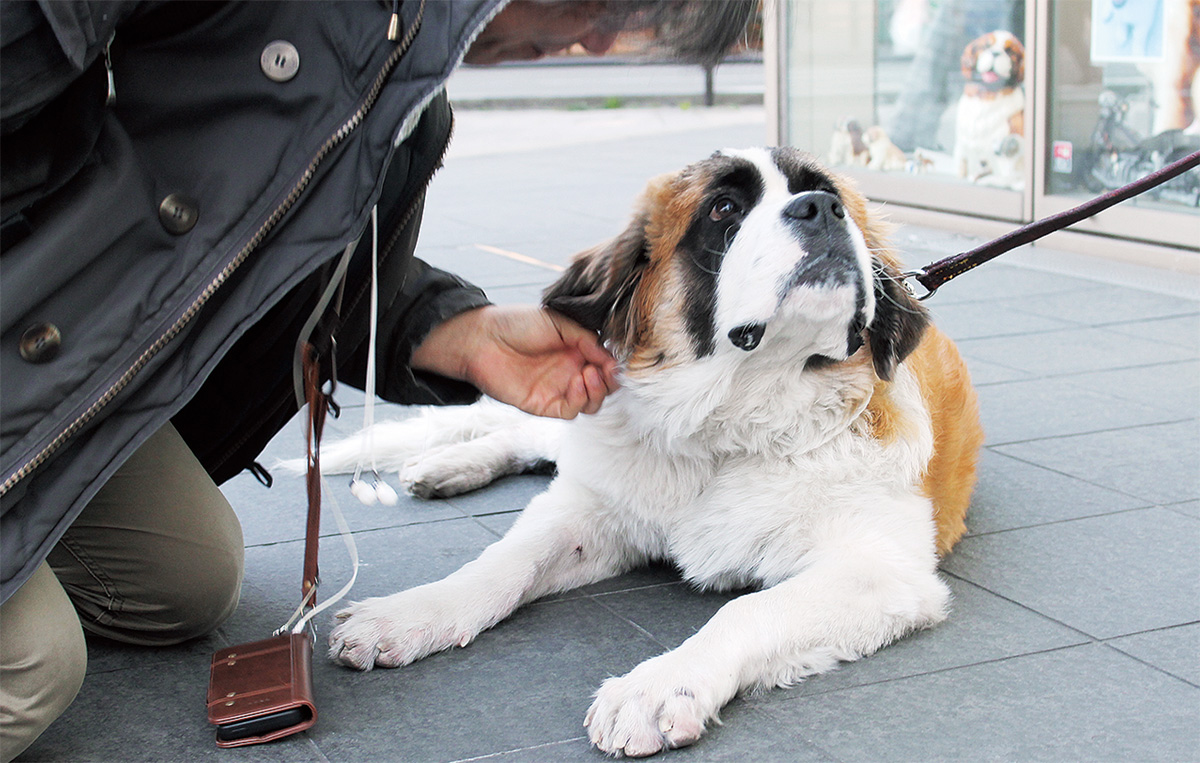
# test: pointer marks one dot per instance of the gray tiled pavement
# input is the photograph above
(1075, 633)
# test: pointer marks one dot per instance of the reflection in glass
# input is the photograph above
(1123, 90)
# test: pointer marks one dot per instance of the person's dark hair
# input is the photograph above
(694, 31)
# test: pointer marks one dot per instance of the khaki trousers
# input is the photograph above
(156, 558)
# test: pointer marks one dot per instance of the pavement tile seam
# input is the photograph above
(1108, 643)
(477, 517)
(1147, 504)
(937, 671)
(1006, 443)
(979, 368)
(1174, 508)
(1167, 317)
(1016, 305)
(1082, 518)
(995, 448)
(1030, 376)
(365, 530)
(1087, 383)
(534, 748)
(1000, 334)
(643, 587)
(1086, 638)
(483, 514)
(611, 610)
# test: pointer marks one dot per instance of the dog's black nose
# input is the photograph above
(748, 336)
(814, 208)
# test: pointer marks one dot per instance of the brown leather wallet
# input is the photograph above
(261, 691)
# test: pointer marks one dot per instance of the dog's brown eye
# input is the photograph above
(722, 208)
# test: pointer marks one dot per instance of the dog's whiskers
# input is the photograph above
(885, 273)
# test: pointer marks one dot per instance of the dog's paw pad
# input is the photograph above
(639, 718)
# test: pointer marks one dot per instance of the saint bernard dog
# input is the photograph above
(990, 122)
(788, 421)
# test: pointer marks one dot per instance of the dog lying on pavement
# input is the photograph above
(788, 420)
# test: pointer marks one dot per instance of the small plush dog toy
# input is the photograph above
(991, 109)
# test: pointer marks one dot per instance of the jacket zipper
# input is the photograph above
(227, 272)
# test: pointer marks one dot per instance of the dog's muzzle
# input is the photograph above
(818, 221)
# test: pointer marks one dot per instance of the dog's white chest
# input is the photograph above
(982, 123)
(741, 500)
(726, 522)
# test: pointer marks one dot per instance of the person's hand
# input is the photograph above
(529, 357)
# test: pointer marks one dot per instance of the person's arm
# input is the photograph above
(529, 357)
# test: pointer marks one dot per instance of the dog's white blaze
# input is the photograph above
(750, 287)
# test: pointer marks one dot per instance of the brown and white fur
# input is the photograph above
(991, 109)
(787, 420)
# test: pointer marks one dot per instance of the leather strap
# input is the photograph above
(934, 275)
(317, 407)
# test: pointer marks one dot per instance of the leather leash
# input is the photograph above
(934, 275)
(317, 407)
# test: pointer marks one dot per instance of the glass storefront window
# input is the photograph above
(951, 92)
(940, 85)
(1122, 97)
(905, 94)
(1007, 110)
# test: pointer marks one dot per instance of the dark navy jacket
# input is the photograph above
(162, 249)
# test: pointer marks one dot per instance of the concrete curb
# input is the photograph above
(582, 103)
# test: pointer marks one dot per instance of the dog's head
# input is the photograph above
(994, 62)
(754, 251)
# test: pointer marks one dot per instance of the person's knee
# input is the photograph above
(211, 598)
(189, 598)
(43, 661)
(156, 558)
(174, 597)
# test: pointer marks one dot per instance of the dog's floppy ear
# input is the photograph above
(899, 322)
(1017, 52)
(970, 55)
(597, 289)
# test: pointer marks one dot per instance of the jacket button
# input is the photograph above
(280, 61)
(40, 342)
(178, 213)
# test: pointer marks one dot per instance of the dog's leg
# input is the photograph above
(395, 442)
(850, 600)
(463, 466)
(445, 451)
(558, 543)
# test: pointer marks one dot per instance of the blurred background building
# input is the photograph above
(977, 114)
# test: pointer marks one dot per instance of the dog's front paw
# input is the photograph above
(646, 711)
(447, 471)
(392, 631)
